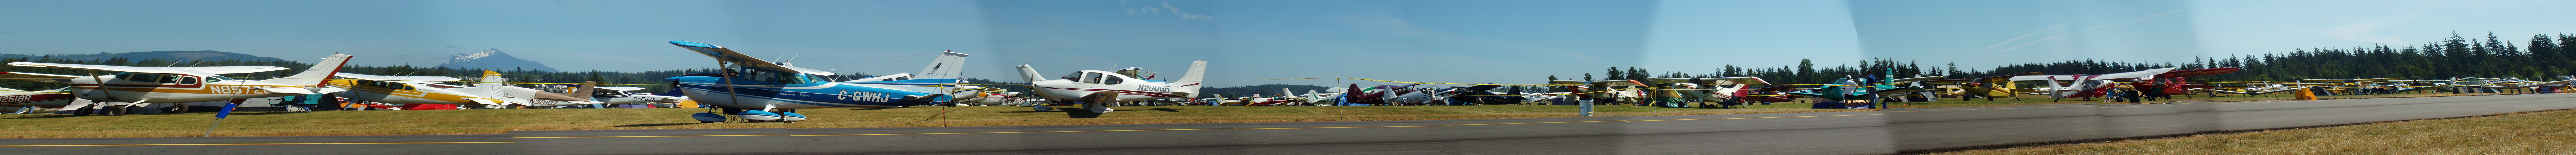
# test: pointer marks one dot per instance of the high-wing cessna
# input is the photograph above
(426, 90)
(762, 91)
(2260, 89)
(1093, 89)
(1856, 89)
(1726, 91)
(2518, 83)
(183, 84)
(2088, 85)
(1607, 91)
(1989, 87)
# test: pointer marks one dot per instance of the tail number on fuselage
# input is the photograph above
(16, 98)
(1153, 88)
(240, 89)
(861, 96)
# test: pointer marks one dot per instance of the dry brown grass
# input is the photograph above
(2027, 99)
(2526, 133)
(498, 121)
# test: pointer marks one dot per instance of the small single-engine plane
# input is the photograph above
(761, 91)
(182, 84)
(1094, 89)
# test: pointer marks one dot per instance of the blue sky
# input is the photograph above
(1515, 42)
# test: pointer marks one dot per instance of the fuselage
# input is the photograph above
(403, 93)
(171, 88)
(1073, 87)
(788, 90)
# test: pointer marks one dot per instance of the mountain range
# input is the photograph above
(495, 60)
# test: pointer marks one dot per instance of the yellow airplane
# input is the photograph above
(426, 90)
(183, 84)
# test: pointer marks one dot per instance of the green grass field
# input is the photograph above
(497, 121)
(2526, 133)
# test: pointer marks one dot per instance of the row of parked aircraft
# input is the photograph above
(755, 90)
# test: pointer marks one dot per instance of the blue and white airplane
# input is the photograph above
(761, 91)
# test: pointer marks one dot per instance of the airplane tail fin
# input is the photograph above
(490, 79)
(1189, 83)
(583, 92)
(1030, 74)
(949, 65)
(316, 75)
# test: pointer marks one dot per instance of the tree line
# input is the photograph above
(2544, 56)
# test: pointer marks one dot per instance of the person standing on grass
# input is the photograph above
(2122, 92)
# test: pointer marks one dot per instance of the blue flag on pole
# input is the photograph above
(228, 109)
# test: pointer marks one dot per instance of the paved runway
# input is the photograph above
(1792, 133)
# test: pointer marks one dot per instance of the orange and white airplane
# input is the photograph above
(183, 84)
(426, 90)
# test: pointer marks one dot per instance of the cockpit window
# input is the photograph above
(1091, 77)
(1111, 80)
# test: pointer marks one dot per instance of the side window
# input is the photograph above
(1111, 80)
(184, 80)
(1072, 76)
(1091, 78)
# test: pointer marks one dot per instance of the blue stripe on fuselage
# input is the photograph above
(825, 96)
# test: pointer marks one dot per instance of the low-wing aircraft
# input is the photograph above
(1726, 91)
(2344, 85)
(426, 90)
(627, 95)
(183, 84)
(2088, 85)
(1094, 89)
(1485, 95)
(1989, 87)
(761, 91)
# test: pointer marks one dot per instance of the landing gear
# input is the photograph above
(1099, 102)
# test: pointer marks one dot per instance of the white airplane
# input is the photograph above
(183, 84)
(2518, 83)
(21, 102)
(2263, 89)
(2088, 85)
(1607, 91)
(626, 95)
(426, 90)
(762, 91)
(1724, 90)
(1094, 88)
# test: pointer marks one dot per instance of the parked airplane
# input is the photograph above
(426, 90)
(626, 95)
(1855, 88)
(1093, 89)
(1726, 91)
(2088, 85)
(1989, 87)
(45, 98)
(1606, 91)
(761, 91)
(183, 84)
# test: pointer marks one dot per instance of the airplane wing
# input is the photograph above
(2045, 77)
(1711, 81)
(620, 88)
(163, 70)
(1916, 79)
(2198, 72)
(1619, 83)
(727, 55)
(1949, 82)
(2136, 74)
(401, 79)
(37, 77)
